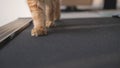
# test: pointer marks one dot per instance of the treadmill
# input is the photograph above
(73, 43)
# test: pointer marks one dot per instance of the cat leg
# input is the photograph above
(37, 12)
(49, 14)
(57, 10)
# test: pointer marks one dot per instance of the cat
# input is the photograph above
(44, 13)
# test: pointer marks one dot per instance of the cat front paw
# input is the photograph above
(38, 32)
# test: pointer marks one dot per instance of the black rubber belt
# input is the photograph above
(93, 47)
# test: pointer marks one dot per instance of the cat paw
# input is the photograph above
(50, 24)
(38, 32)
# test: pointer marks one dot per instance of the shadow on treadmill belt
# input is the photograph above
(73, 43)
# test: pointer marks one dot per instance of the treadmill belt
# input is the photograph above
(73, 43)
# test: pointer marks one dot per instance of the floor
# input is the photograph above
(87, 14)
(90, 14)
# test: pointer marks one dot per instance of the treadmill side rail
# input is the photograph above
(10, 30)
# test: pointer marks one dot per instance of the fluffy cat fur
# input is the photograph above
(44, 13)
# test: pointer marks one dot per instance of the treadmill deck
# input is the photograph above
(73, 43)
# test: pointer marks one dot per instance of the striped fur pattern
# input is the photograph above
(44, 13)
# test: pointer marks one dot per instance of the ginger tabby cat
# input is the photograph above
(44, 13)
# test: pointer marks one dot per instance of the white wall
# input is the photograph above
(12, 9)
